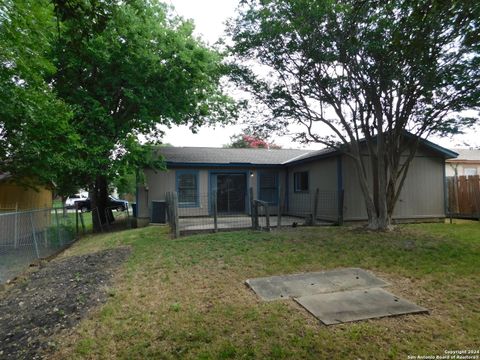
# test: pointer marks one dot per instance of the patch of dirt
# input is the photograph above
(54, 298)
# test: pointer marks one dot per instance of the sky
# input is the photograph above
(209, 17)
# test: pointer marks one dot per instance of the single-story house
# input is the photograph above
(466, 164)
(16, 197)
(292, 177)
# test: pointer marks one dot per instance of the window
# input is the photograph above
(268, 187)
(300, 181)
(470, 171)
(187, 188)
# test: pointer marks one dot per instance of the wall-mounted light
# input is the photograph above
(251, 173)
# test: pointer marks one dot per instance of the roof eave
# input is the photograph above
(464, 161)
(446, 153)
(311, 158)
(173, 164)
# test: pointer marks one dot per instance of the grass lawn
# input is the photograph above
(57, 203)
(185, 298)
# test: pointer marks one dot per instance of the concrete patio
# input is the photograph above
(238, 222)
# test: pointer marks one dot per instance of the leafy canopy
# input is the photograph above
(35, 135)
(127, 67)
(346, 70)
(360, 67)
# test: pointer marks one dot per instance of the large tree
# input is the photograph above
(360, 73)
(35, 133)
(127, 67)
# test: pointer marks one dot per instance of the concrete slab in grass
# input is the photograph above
(297, 285)
(347, 306)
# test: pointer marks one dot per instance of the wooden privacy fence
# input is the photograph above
(464, 196)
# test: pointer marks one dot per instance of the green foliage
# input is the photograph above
(81, 80)
(35, 135)
(125, 184)
(376, 66)
(350, 70)
(126, 68)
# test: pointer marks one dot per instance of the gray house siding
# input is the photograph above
(322, 175)
(422, 196)
(329, 172)
(158, 183)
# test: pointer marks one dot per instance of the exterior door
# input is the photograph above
(231, 193)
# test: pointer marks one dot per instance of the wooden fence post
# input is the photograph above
(315, 207)
(175, 215)
(451, 196)
(475, 180)
(252, 207)
(170, 211)
(76, 217)
(456, 205)
(267, 216)
(215, 211)
(463, 196)
(167, 203)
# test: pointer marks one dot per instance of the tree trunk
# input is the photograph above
(99, 203)
(376, 203)
(381, 178)
(64, 206)
(373, 223)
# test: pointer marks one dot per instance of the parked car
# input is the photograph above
(72, 199)
(113, 203)
(119, 204)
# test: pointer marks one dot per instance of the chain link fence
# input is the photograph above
(241, 210)
(29, 235)
(113, 219)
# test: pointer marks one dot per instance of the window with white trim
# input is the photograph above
(187, 188)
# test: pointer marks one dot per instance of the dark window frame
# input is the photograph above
(296, 179)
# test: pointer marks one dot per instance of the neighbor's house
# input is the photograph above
(466, 164)
(199, 175)
(15, 196)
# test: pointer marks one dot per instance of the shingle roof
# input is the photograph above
(467, 154)
(312, 154)
(205, 155)
(225, 156)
